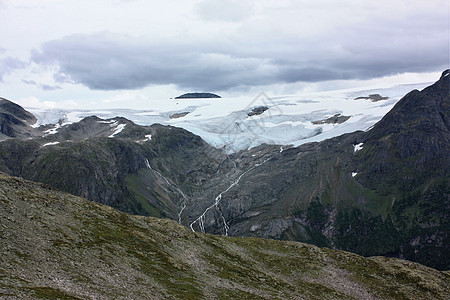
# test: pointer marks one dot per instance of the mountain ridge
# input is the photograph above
(373, 193)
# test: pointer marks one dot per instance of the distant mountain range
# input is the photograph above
(385, 191)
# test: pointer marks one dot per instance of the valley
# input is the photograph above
(383, 190)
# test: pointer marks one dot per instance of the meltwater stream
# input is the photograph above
(201, 220)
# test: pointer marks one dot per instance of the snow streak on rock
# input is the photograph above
(173, 186)
(201, 220)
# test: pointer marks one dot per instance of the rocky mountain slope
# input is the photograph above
(58, 246)
(110, 161)
(381, 192)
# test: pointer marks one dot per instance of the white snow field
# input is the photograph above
(225, 122)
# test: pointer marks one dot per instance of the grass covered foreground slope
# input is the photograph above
(58, 246)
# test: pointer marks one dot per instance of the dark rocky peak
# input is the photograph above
(15, 121)
(197, 95)
(414, 135)
(419, 112)
(12, 108)
(94, 126)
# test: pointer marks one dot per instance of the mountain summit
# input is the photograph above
(418, 125)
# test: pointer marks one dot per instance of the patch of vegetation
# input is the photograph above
(316, 214)
(51, 293)
(140, 203)
(360, 232)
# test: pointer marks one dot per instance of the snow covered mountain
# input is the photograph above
(233, 124)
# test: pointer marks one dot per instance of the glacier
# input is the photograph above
(289, 120)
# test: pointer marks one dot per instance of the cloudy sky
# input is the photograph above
(76, 52)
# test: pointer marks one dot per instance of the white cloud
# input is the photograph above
(224, 10)
(34, 102)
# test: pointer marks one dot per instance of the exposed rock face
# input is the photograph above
(336, 119)
(373, 98)
(179, 115)
(58, 246)
(417, 129)
(257, 111)
(197, 95)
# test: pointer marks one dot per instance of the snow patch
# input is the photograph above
(49, 144)
(148, 137)
(119, 128)
(107, 121)
(36, 125)
(53, 130)
(357, 147)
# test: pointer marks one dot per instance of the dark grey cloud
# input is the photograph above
(9, 64)
(109, 62)
(29, 82)
(47, 87)
(44, 87)
(106, 61)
